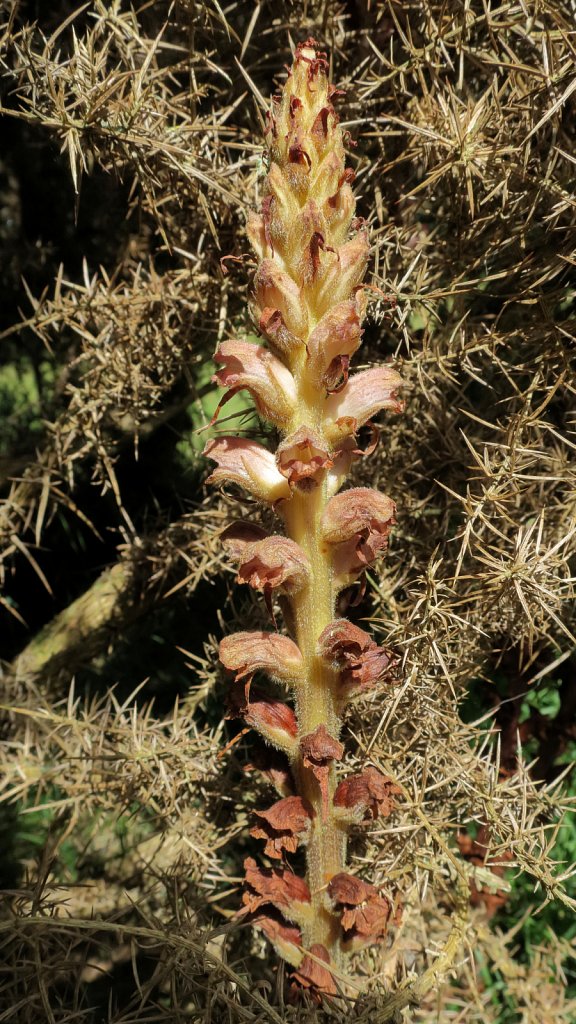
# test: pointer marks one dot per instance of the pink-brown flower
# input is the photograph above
(357, 523)
(282, 825)
(266, 563)
(247, 463)
(353, 651)
(272, 718)
(368, 792)
(302, 458)
(362, 397)
(246, 652)
(270, 383)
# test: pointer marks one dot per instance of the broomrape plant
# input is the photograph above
(309, 303)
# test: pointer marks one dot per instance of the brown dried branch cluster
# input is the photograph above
(462, 115)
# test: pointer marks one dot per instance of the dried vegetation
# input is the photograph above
(133, 153)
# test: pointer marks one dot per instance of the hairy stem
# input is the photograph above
(314, 610)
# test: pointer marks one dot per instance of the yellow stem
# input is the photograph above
(313, 610)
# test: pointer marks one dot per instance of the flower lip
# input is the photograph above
(272, 563)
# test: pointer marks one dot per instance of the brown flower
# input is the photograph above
(353, 651)
(272, 718)
(282, 824)
(302, 458)
(312, 975)
(319, 749)
(369, 791)
(278, 886)
(286, 938)
(365, 913)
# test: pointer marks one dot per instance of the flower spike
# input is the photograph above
(308, 305)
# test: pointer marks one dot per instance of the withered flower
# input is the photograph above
(319, 749)
(365, 913)
(273, 719)
(368, 792)
(312, 975)
(279, 887)
(286, 938)
(273, 563)
(282, 825)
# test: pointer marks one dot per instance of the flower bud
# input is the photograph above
(334, 339)
(271, 324)
(344, 271)
(249, 464)
(276, 289)
(270, 383)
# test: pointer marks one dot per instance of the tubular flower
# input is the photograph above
(245, 653)
(249, 464)
(308, 304)
(269, 382)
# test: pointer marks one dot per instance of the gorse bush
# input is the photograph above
(133, 169)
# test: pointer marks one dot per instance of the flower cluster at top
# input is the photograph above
(309, 303)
